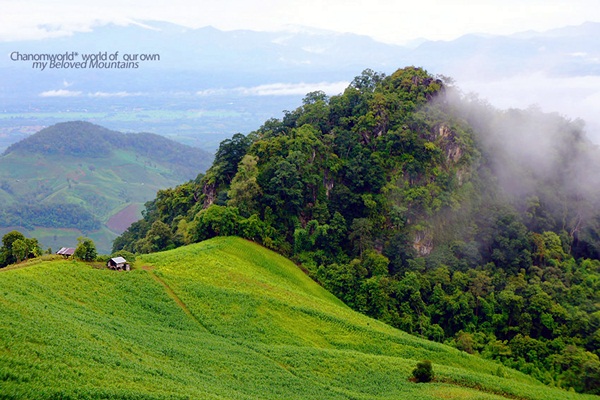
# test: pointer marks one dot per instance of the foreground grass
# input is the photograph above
(220, 319)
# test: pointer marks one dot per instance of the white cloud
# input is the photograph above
(287, 89)
(115, 94)
(212, 92)
(279, 89)
(76, 93)
(60, 93)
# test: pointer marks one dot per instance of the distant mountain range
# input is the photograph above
(200, 86)
(212, 58)
(77, 178)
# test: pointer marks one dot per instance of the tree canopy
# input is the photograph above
(16, 248)
(86, 249)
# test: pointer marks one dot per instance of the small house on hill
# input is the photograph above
(118, 263)
(66, 252)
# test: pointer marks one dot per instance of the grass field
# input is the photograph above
(222, 319)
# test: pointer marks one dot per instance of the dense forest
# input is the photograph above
(54, 215)
(423, 207)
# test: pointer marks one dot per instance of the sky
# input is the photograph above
(388, 21)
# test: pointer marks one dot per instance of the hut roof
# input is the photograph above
(66, 251)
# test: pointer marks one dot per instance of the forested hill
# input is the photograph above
(84, 139)
(77, 178)
(422, 207)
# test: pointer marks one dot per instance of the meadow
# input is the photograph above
(221, 319)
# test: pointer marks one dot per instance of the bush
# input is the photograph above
(103, 258)
(130, 257)
(423, 372)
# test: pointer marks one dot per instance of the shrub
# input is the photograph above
(103, 258)
(423, 372)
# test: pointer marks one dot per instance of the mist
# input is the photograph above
(544, 163)
(574, 97)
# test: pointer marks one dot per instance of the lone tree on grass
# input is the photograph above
(86, 249)
(423, 372)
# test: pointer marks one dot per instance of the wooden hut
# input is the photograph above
(118, 263)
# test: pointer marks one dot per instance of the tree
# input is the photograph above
(7, 255)
(315, 111)
(33, 248)
(283, 190)
(214, 221)
(360, 233)
(86, 249)
(158, 238)
(10, 237)
(511, 245)
(229, 155)
(344, 281)
(244, 189)
(19, 250)
(375, 263)
(367, 80)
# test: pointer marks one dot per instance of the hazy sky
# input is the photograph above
(385, 20)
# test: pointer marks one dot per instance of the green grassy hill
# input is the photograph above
(222, 319)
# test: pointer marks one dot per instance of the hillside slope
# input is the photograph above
(86, 179)
(223, 318)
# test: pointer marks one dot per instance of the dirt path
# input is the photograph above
(181, 304)
(173, 296)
